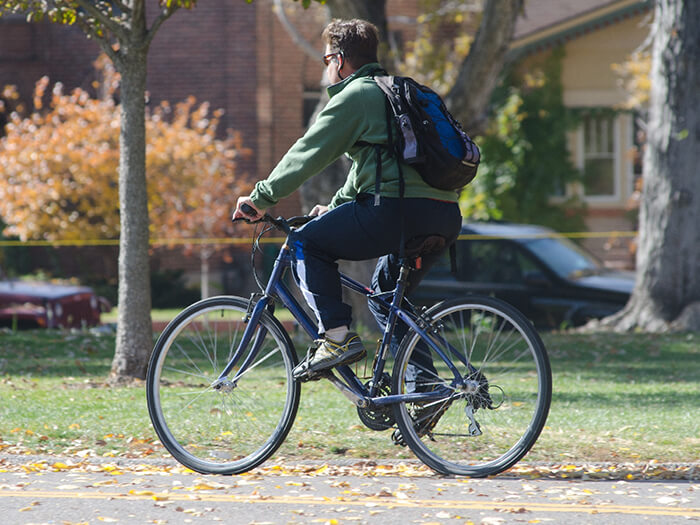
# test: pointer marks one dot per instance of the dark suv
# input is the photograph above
(550, 279)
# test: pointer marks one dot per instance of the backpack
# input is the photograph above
(430, 139)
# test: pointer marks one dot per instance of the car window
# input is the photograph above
(493, 261)
(564, 257)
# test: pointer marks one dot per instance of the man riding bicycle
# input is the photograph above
(355, 225)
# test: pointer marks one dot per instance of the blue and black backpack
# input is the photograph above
(430, 139)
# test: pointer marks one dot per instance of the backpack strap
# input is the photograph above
(389, 109)
(395, 89)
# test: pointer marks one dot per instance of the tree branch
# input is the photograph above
(468, 98)
(122, 6)
(101, 40)
(165, 13)
(293, 33)
(104, 19)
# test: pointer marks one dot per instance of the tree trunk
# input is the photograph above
(204, 255)
(469, 97)
(667, 290)
(134, 331)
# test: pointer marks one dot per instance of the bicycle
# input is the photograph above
(469, 390)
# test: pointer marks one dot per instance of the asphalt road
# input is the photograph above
(55, 491)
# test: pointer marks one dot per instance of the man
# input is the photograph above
(353, 226)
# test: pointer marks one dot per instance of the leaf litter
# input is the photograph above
(651, 470)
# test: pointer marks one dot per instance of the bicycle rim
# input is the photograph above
(232, 429)
(488, 426)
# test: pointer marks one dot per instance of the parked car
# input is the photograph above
(550, 279)
(46, 305)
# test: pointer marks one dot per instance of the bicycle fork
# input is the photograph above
(252, 325)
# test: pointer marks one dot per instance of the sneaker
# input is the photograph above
(330, 354)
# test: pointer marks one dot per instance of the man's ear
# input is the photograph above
(342, 60)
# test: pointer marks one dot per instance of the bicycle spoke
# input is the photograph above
(233, 425)
(502, 405)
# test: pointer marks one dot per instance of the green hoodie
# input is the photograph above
(355, 113)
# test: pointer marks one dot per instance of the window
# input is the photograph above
(599, 136)
(493, 262)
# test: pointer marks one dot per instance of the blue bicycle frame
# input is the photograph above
(351, 387)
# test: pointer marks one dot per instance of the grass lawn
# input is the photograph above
(617, 398)
(168, 314)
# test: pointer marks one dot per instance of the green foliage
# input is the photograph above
(305, 3)
(525, 156)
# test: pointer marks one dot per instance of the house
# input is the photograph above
(595, 35)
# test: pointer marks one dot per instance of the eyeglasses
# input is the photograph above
(332, 56)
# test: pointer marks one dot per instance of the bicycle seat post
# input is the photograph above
(401, 284)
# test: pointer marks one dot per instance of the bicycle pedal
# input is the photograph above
(304, 375)
(309, 376)
(398, 439)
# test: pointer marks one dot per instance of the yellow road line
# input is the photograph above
(516, 507)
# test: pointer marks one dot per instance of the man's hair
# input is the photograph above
(357, 39)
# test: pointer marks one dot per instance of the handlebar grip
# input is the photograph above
(249, 210)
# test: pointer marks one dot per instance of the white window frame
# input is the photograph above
(616, 155)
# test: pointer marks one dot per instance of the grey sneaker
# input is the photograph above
(335, 353)
(330, 354)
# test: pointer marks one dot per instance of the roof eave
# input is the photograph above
(564, 31)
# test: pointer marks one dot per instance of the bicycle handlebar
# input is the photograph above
(280, 223)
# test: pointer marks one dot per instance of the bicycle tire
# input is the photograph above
(233, 429)
(513, 391)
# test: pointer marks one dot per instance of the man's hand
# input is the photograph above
(240, 214)
(317, 210)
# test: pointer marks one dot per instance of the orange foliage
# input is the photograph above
(59, 167)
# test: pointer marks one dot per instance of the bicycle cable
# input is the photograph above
(256, 248)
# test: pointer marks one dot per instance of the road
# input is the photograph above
(54, 491)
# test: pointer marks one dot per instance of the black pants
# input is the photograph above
(357, 231)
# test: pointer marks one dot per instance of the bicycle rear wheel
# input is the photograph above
(234, 428)
(491, 423)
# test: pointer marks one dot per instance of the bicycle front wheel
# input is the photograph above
(233, 428)
(492, 420)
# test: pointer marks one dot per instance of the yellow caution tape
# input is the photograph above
(280, 240)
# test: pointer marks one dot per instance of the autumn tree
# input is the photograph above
(667, 290)
(60, 166)
(191, 177)
(124, 32)
(122, 29)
